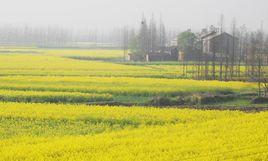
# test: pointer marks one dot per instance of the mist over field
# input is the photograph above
(106, 15)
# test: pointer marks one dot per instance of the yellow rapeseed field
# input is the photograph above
(33, 128)
(42, 132)
(45, 63)
(119, 85)
(53, 97)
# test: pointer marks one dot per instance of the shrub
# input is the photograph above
(181, 100)
(161, 101)
(210, 98)
(259, 100)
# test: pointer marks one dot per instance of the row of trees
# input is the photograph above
(58, 36)
(150, 38)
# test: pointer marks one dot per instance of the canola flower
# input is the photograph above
(46, 131)
(52, 97)
(120, 85)
(183, 134)
(43, 64)
(35, 61)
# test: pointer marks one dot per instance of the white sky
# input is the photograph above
(106, 14)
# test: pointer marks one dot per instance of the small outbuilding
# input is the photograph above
(168, 54)
(134, 57)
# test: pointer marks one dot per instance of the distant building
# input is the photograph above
(164, 54)
(173, 42)
(134, 57)
(215, 42)
(168, 54)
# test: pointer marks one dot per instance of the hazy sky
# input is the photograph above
(105, 14)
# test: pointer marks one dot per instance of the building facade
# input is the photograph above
(214, 42)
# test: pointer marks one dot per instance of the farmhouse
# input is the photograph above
(215, 42)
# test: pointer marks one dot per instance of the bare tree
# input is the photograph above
(242, 46)
(260, 51)
(153, 35)
(265, 65)
(143, 38)
(233, 57)
(125, 42)
(221, 24)
(162, 34)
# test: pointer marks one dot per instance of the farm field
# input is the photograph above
(116, 86)
(34, 71)
(78, 132)
(42, 62)
(59, 104)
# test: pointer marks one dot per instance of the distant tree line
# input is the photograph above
(59, 36)
(149, 38)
